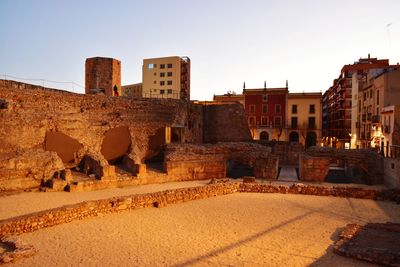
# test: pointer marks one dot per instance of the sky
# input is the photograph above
(228, 41)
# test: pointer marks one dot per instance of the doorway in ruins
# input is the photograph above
(116, 145)
(311, 139)
(236, 169)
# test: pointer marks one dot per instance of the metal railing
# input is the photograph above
(45, 83)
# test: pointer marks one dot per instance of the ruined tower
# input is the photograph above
(102, 75)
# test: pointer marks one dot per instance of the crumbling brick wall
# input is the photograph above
(364, 164)
(209, 160)
(225, 123)
(28, 112)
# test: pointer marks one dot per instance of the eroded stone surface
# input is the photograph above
(373, 242)
(15, 249)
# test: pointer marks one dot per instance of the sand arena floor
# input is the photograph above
(242, 229)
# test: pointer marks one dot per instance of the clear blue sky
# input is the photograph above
(228, 41)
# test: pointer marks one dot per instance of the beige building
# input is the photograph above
(132, 90)
(378, 100)
(166, 77)
(305, 118)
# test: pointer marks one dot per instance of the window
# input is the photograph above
(265, 98)
(264, 108)
(377, 97)
(169, 82)
(294, 122)
(252, 109)
(169, 65)
(264, 121)
(162, 74)
(169, 74)
(155, 73)
(312, 108)
(169, 91)
(370, 94)
(278, 109)
(151, 66)
(294, 109)
(162, 91)
(311, 122)
(365, 96)
(277, 122)
(155, 82)
(162, 66)
(252, 120)
(162, 83)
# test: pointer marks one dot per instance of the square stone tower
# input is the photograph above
(103, 75)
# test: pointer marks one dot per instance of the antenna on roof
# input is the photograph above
(287, 84)
(244, 85)
(265, 84)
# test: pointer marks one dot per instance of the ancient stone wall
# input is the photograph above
(65, 214)
(392, 172)
(288, 153)
(36, 118)
(313, 168)
(33, 112)
(363, 164)
(225, 123)
(209, 160)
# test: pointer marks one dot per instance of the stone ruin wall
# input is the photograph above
(364, 164)
(35, 221)
(28, 113)
(207, 161)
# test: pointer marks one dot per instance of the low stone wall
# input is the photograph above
(28, 169)
(392, 172)
(208, 161)
(196, 169)
(361, 164)
(43, 219)
(313, 168)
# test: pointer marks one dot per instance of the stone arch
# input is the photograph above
(294, 137)
(311, 139)
(65, 146)
(264, 136)
(116, 143)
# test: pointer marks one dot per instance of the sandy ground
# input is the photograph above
(241, 229)
(28, 202)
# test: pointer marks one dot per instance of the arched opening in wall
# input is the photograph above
(64, 145)
(264, 136)
(156, 147)
(236, 169)
(293, 137)
(311, 139)
(116, 143)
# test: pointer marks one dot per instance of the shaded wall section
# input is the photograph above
(116, 144)
(65, 146)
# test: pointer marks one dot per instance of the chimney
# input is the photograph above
(369, 56)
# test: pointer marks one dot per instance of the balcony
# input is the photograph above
(376, 119)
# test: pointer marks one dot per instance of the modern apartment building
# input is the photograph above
(166, 77)
(377, 111)
(132, 90)
(338, 102)
(305, 118)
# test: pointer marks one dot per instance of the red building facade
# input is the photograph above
(266, 112)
